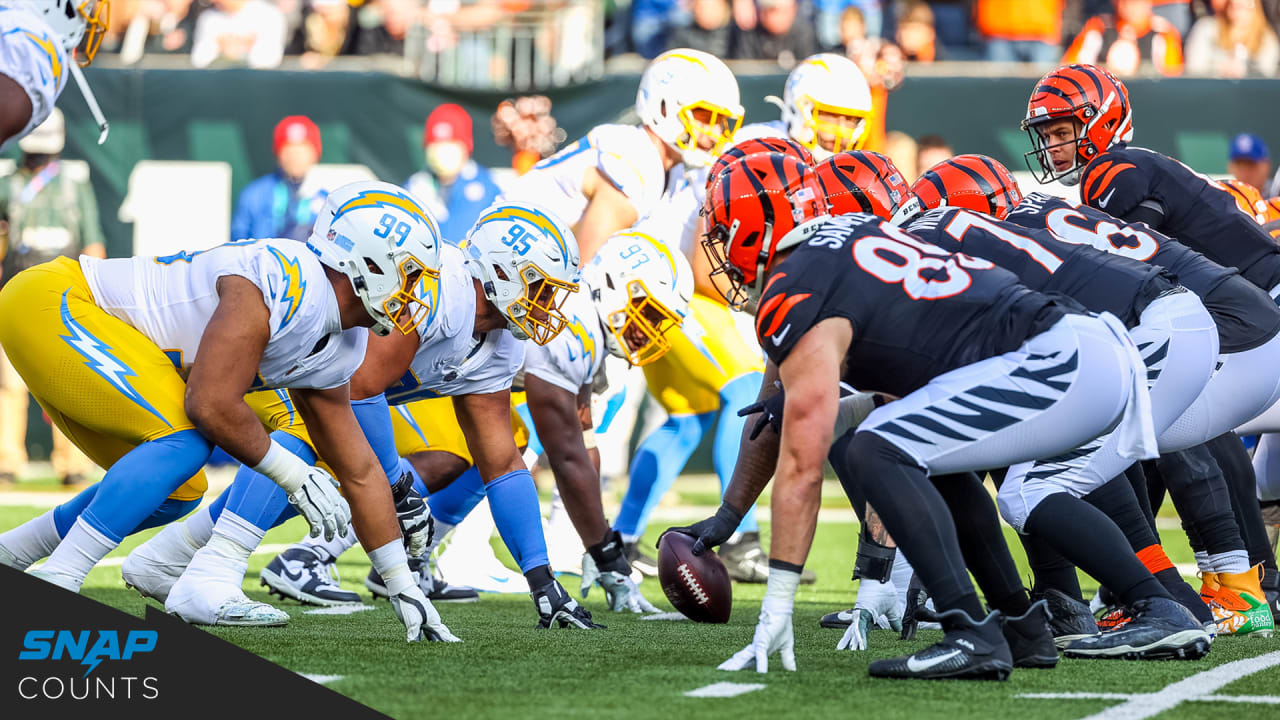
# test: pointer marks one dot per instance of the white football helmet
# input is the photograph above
(641, 291)
(73, 21)
(688, 95)
(820, 87)
(526, 259)
(382, 238)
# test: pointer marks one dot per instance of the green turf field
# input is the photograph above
(642, 669)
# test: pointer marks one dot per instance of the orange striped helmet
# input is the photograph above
(758, 206)
(1273, 209)
(973, 182)
(867, 182)
(1099, 105)
(786, 146)
(1247, 198)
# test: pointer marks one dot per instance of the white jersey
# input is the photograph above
(450, 359)
(33, 56)
(676, 220)
(624, 154)
(573, 358)
(772, 128)
(171, 299)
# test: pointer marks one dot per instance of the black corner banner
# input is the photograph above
(67, 656)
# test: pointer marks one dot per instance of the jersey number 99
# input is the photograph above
(388, 225)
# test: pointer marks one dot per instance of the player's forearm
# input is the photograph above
(756, 458)
(797, 494)
(579, 485)
(229, 423)
(372, 510)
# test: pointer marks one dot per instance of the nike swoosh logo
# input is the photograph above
(915, 665)
(1106, 198)
(777, 339)
(294, 575)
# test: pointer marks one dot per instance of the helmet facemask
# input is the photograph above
(536, 315)
(848, 126)
(705, 120)
(643, 323)
(97, 16)
(1079, 144)
(404, 309)
(743, 292)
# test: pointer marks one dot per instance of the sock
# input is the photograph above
(1203, 564)
(1050, 568)
(141, 480)
(458, 499)
(1155, 485)
(1199, 492)
(33, 540)
(916, 517)
(1117, 501)
(239, 530)
(78, 552)
(332, 549)
(1142, 492)
(738, 393)
(654, 467)
(1236, 467)
(513, 498)
(1088, 538)
(982, 542)
(535, 445)
(225, 558)
(836, 456)
(1234, 562)
(199, 526)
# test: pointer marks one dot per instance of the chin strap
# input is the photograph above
(91, 101)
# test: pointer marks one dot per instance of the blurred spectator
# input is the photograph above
(239, 31)
(283, 204)
(780, 34)
(1177, 12)
(651, 24)
(901, 149)
(916, 34)
(327, 31)
(1021, 30)
(931, 150)
(951, 22)
(160, 26)
(1233, 43)
(527, 127)
(453, 186)
(1123, 41)
(382, 25)
(881, 64)
(710, 29)
(44, 214)
(1250, 160)
(830, 15)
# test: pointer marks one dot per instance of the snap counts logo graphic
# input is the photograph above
(45, 655)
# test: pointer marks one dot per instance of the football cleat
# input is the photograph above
(747, 561)
(8, 559)
(1113, 617)
(62, 580)
(1159, 629)
(433, 586)
(154, 566)
(1069, 619)
(301, 574)
(1237, 612)
(1030, 637)
(839, 620)
(243, 612)
(969, 650)
(474, 565)
(555, 607)
(641, 562)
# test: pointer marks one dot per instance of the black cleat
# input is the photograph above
(556, 607)
(1161, 629)
(434, 587)
(839, 620)
(969, 650)
(645, 564)
(1031, 641)
(1069, 619)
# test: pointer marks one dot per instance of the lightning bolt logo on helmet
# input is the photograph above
(390, 199)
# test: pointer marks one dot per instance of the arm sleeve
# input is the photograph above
(1150, 212)
(374, 416)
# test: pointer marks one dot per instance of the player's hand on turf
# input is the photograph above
(876, 601)
(555, 607)
(711, 532)
(773, 635)
(318, 501)
(421, 621)
(619, 588)
(917, 596)
(416, 523)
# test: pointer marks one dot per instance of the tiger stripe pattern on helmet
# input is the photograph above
(1095, 99)
(753, 146)
(1247, 198)
(866, 182)
(973, 182)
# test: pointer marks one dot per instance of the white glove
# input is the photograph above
(773, 634)
(421, 621)
(621, 590)
(318, 500)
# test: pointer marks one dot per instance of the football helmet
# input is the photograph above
(526, 259)
(1247, 198)
(973, 182)
(740, 150)
(687, 95)
(74, 21)
(759, 205)
(381, 238)
(1095, 100)
(641, 290)
(826, 95)
(867, 182)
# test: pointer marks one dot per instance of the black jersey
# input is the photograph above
(1245, 315)
(1198, 212)
(917, 310)
(1099, 281)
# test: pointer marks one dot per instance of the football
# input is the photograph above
(697, 585)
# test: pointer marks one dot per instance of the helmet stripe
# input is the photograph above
(1005, 188)
(983, 184)
(845, 178)
(935, 180)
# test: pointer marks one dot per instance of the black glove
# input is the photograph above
(917, 596)
(416, 523)
(711, 532)
(770, 414)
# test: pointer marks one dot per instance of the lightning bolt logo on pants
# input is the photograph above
(98, 358)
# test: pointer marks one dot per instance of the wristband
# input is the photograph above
(283, 467)
(780, 593)
(391, 562)
(873, 561)
(589, 438)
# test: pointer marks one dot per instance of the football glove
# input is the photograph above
(421, 621)
(416, 523)
(318, 501)
(556, 607)
(770, 410)
(773, 635)
(711, 532)
(619, 588)
(917, 596)
(876, 600)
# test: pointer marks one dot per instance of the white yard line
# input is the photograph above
(724, 690)
(322, 679)
(339, 610)
(1196, 688)
(664, 616)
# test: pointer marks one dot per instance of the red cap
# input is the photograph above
(448, 122)
(296, 128)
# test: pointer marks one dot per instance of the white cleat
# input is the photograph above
(154, 566)
(8, 559)
(214, 603)
(64, 581)
(478, 568)
(249, 613)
